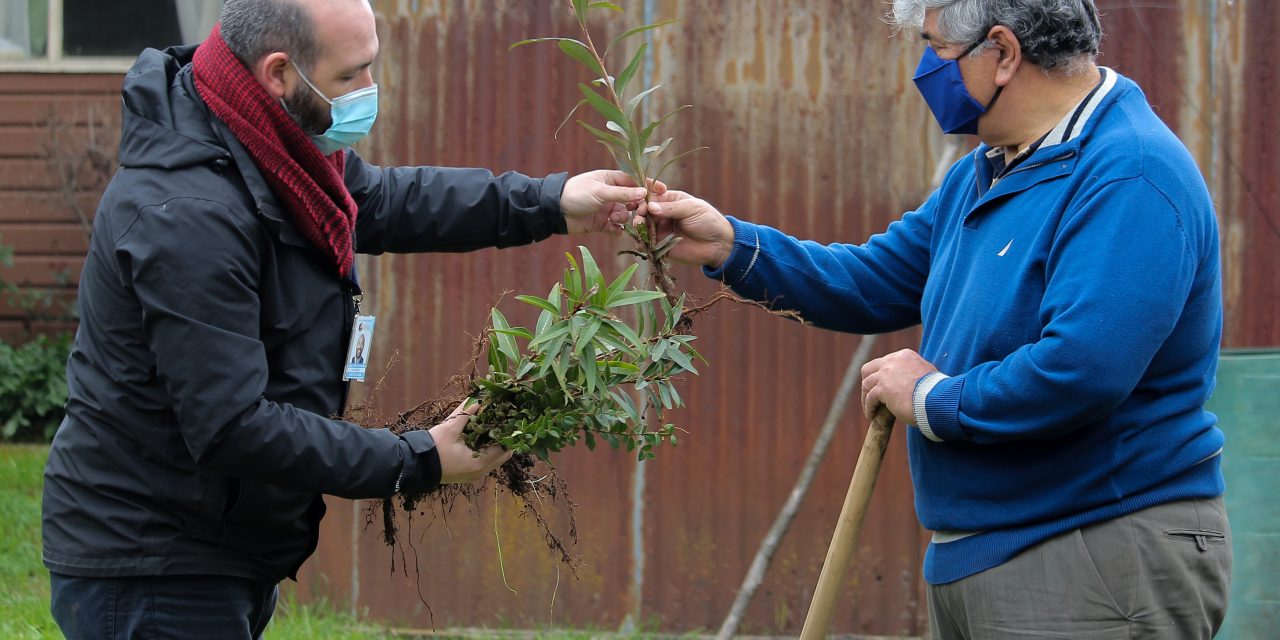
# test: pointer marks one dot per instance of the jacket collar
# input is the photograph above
(264, 199)
(1056, 154)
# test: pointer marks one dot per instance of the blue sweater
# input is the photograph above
(1075, 306)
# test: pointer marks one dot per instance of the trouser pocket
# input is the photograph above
(1202, 538)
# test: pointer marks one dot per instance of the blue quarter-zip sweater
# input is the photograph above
(1075, 308)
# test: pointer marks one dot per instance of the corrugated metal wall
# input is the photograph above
(50, 128)
(814, 127)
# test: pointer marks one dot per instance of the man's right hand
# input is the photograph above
(707, 235)
(458, 463)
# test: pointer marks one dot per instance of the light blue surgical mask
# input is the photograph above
(353, 115)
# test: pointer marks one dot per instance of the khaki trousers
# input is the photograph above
(1163, 572)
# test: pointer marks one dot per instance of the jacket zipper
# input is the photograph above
(1066, 156)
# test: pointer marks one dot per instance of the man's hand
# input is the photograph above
(601, 200)
(890, 381)
(707, 237)
(458, 463)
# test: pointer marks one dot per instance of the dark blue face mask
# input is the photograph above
(942, 86)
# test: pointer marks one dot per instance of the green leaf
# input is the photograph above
(606, 5)
(620, 84)
(591, 271)
(626, 332)
(515, 332)
(657, 150)
(659, 350)
(541, 303)
(525, 367)
(607, 109)
(621, 282)
(648, 130)
(620, 158)
(588, 335)
(567, 118)
(590, 439)
(672, 437)
(582, 54)
(683, 360)
(506, 343)
(497, 362)
(635, 102)
(608, 139)
(677, 159)
(572, 282)
(639, 30)
(559, 329)
(537, 40)
(580, 9)
(634, 297)
(608, 339)
(668, 243)
(590, 370)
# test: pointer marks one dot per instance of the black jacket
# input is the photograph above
(212, 339)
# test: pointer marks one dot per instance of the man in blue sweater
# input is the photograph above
(1066, 278)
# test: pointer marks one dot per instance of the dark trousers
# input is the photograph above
(1162, 573)
(147, 608)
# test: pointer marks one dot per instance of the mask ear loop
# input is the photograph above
(308, 81)
(974, 46)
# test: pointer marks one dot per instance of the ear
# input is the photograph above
(1006, 43)
(270, 73)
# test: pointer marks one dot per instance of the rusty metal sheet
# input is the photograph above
(815, 128)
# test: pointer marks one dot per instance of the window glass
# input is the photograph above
(117, 27)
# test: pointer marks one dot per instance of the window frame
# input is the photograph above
(53, 61)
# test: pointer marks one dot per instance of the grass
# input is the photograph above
(24, 582)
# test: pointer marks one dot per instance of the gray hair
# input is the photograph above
(1054, 34)
(256, 28)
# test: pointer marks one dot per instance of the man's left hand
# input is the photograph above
(602, 200)
(891, 381)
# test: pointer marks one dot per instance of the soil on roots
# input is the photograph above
(538, 488)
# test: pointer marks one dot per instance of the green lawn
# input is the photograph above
(24, 582)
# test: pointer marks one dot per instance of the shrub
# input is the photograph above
(33, 389)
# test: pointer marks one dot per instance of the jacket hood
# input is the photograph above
(165, 124)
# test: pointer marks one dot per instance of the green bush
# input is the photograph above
(33, 388)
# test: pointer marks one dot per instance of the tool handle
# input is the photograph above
(845, 539)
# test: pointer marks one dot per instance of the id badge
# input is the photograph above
(357, 361)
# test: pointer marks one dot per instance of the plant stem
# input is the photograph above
(647, 244)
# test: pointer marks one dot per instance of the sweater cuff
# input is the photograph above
(551, 190)
(938, 407)
(420, 468)
(742, 258)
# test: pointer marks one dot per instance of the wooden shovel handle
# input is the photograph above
(845, 539)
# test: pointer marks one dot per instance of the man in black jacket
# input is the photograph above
(217, 303)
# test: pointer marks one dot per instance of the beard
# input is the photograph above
(311, 113)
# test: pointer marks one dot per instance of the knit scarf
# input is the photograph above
(308, 184)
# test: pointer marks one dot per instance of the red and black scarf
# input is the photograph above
(308, 184)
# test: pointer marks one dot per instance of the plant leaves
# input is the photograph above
(607, 109)
(620, 84)
(591, 271)
(582, 54)
(634, 297)
(648, 130)
(606, 5)
(567, 118)
(537, 40)
(541, 303)
(506, 344)
(610, 140)
(631, 32)
(635, 102)
(677, 159)
(559, 329)
(657, 150)
(620, 282)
